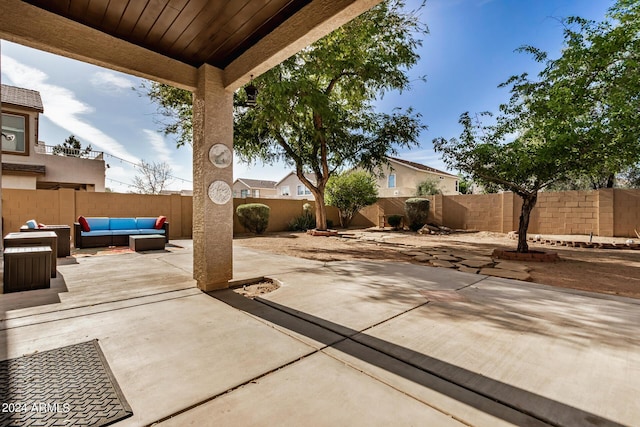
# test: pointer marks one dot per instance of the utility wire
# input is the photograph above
(137, 165)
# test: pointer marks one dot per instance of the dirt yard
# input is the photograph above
(608, 271)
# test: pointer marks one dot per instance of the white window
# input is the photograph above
(457, 189)
(284, 191)
(391, 182)
(14, 134)
(302, 190)
(256, 193)
(244, 193)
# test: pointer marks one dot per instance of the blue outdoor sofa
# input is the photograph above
(105, 231)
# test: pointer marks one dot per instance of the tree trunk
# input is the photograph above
(528, 203)
(321, 212)
(611, 180)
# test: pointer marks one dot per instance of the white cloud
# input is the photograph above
(157, 142)
(110, 82)
(425, 157)
(274, 172)
(62, 107)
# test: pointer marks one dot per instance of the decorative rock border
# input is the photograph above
(322, 232)
(536, 256)
(575, 243)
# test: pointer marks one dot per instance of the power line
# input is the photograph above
(137, 165)
(119, 182)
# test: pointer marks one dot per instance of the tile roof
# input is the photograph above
(420, 166)
(20, 97)
(257, 183)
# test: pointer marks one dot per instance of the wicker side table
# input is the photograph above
(64, 237)
(40, 238)
(27, 268)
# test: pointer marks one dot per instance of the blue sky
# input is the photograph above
(469, 51)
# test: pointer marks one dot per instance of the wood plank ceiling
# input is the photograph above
(195, 32)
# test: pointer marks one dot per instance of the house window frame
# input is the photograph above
(284, 191)
(244, 193)
(389, 179)
(27, 135)
(302, 190)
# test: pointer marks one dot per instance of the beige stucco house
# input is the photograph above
(290, 187)
(401, 178)
(243, 188)
(30, 164)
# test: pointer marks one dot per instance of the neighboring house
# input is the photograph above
(290, 187)
(29, 164)
(401, 179)
(243, 188)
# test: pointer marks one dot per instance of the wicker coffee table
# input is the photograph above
(147, 242)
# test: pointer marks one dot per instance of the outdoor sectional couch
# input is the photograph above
(105, 231)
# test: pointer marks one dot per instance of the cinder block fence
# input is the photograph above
(608, 212)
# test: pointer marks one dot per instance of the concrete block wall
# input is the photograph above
(607, 212)
(473, 212)
(626, 213)
(65, 205)
(19, 206)
(569, 212)
(281, 213)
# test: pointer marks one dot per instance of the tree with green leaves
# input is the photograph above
(350, 192)
(428, 187)
(315, 110)
(175, 110)
(578, 117)
(72, 147)
(465, 185)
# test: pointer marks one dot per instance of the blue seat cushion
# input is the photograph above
(123, 232)
(151, 231)
(122, 224)
(145, 223)
(98, 223)
(96, 232)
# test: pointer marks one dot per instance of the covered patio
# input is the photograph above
(339, 343)
(210, 48)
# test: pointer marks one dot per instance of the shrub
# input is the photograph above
(428, 187)
(350, 192)
(417, 212)
(304, 222)
(394, 221)
(254, 217)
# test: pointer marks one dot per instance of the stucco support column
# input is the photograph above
(212, 180)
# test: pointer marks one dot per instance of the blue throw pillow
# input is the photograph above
(32, 223)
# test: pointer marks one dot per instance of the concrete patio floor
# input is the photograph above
(341, 343)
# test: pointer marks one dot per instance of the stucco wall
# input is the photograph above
(23, 182)
(292, 181)
(73, 170)
(407, 180)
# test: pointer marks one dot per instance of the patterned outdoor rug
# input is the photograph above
(68, 386)
(111, 250)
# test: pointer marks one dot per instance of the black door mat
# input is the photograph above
(68, 386)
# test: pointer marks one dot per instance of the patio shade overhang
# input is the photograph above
(210, 47)
(169, 40)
